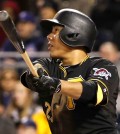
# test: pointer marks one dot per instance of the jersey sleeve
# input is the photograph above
(101, 83)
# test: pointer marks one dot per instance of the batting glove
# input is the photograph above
(44, 85)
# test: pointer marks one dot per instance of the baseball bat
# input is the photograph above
(9, 28)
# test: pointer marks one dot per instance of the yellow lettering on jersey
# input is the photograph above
(70, 102)
(47, 105)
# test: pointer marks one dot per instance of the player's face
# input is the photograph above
(56, 47)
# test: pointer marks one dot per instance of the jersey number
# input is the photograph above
(47, 105)
(70, 101)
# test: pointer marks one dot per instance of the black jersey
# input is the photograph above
(68, 116)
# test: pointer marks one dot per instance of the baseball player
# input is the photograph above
(78, 92)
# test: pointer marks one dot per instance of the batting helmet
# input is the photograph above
(78, 28)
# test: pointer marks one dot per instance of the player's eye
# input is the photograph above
(56, 30)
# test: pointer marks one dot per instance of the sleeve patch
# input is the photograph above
(102, 72)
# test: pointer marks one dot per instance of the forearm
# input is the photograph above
(72, 89)
(47, 86)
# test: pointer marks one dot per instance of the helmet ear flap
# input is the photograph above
(70, 37)
(73, 39)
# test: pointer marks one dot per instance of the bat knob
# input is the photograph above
(3, 15)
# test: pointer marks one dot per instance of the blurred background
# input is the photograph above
(20, 109)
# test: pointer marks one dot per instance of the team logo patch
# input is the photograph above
(102, 72)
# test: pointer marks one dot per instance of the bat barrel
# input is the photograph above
(9, 28)
(3, 15)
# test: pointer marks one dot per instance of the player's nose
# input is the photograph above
(50, 36)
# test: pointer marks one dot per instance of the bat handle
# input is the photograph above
(29, 63)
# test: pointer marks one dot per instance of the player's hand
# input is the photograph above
(53, 84)
(44, 85)
(29, 81)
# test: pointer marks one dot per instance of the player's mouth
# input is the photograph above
(49, 46)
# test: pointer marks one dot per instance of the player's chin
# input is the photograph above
(54, 55)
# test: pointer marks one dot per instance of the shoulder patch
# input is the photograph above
(102, 72)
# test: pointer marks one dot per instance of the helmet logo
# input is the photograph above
(73, 36)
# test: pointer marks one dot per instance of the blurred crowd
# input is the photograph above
(105, 14)
(20, 109)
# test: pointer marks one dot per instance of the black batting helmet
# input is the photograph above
(78, 28)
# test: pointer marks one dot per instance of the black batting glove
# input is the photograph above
(44, 85)
(52, 85)
(31, 82)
